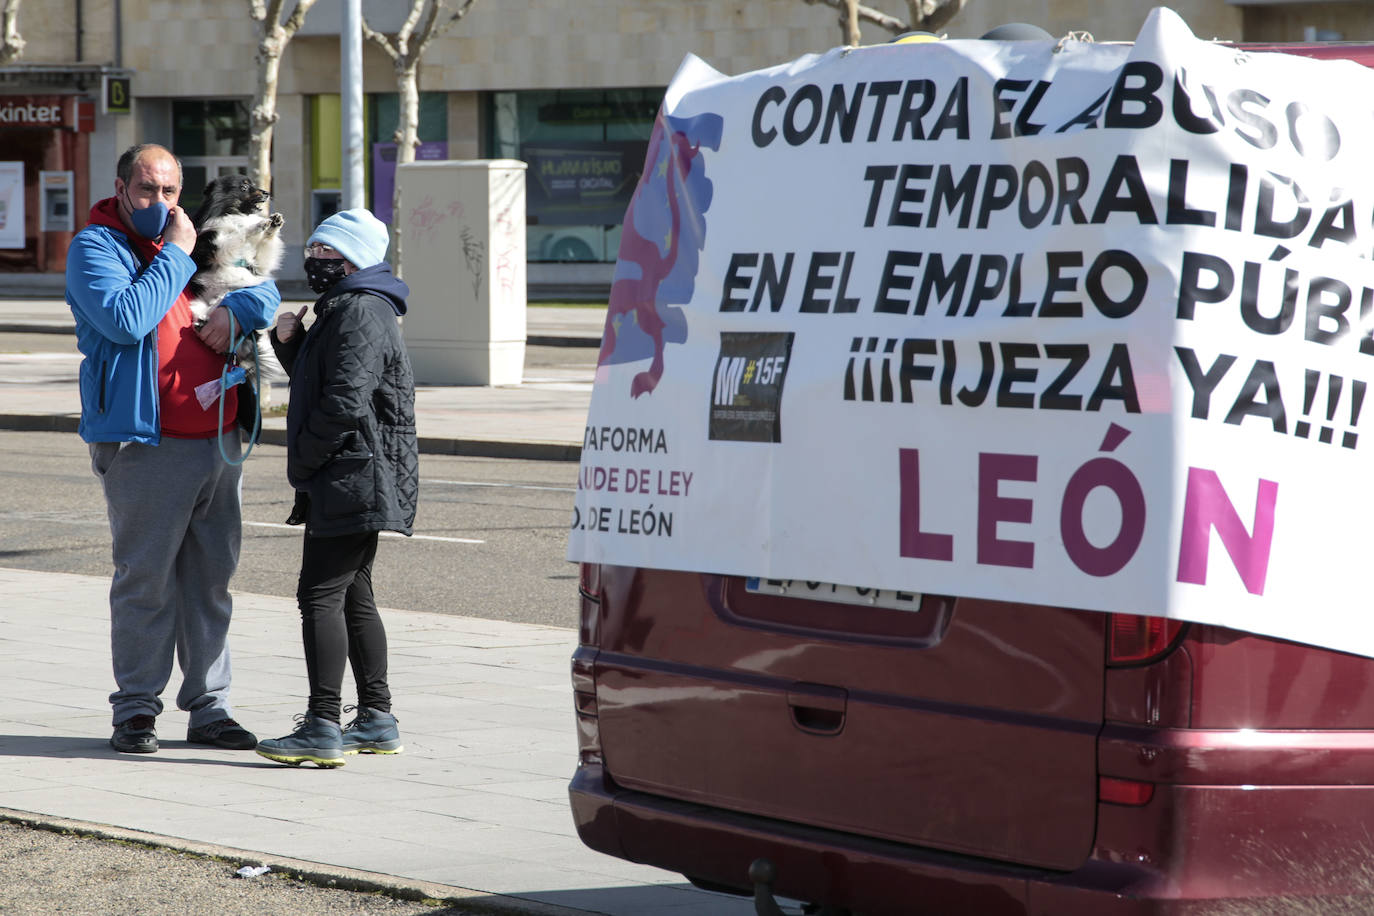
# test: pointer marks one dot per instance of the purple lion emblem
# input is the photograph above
(664, 231)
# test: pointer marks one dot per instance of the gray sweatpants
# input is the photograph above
(175, 519)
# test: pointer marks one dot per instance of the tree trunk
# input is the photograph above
(406, 53)
(11, 42)
(933, 15)
(851, 23)
(273, 37)
(407, 139)
(264, 114)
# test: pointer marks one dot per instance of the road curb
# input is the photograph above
(528, 450)
(23, 327)
(328, 876)
(44, 423)
(533, 340)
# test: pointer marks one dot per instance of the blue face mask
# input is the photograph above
(149, 221)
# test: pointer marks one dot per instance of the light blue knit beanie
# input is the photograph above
(356, 234)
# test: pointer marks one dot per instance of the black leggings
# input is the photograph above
(339, 622)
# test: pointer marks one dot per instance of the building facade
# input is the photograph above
(568, 86)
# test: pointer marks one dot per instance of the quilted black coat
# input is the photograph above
(350, 424)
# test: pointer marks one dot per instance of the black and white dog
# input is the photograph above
(238, 244)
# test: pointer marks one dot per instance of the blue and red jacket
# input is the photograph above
(118, 309)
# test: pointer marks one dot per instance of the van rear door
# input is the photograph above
(965, 725)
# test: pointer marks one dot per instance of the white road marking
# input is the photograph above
(385, 534)
(510, 486)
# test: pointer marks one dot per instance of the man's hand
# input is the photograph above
(289, 324)
(179, 230)
(216, 330)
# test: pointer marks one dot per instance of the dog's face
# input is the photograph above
(230, 194)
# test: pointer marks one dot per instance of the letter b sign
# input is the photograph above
(117, 95)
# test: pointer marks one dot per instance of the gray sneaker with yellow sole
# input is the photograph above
(315, 740)
(372, 732)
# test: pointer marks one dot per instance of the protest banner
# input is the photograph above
(1065, 323)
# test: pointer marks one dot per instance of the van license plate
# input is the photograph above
(840, 594)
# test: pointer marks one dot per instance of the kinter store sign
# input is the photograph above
(43, 112)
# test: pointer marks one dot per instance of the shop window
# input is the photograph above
(585, 150)
(210, 127)
(211, 138)
(383, 109)
(380, 111)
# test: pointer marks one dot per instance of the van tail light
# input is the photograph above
(584, 664)
(589, 579)
(1124, 791)
(1135, 639)
(589, 600)
(584, 705)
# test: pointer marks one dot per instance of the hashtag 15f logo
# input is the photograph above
(735, 373)
(746, 392)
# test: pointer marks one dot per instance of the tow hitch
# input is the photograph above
(762, 874)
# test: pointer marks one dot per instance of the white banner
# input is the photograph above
(1072, 324)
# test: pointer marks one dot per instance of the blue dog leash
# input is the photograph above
(231, 376)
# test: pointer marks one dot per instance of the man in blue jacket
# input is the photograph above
(172, 498)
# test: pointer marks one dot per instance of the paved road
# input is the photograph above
(490, 536)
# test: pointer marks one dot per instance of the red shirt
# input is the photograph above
(183, 363)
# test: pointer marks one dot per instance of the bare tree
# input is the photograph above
(273, 36)
(11, 42)
(921, 15)
(427, 20)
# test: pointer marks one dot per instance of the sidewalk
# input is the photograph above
(475, 809)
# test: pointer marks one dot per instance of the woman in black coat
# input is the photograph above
(353, 457)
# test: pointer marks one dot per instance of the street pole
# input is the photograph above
(351, 91)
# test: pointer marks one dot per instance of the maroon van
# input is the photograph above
(905, 753)
(970, 757)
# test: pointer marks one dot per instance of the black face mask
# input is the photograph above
(323, 273)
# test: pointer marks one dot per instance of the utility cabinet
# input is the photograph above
(463, 257)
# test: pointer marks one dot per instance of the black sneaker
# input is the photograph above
(135, 735)
(225, 733)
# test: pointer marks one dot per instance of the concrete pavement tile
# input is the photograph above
(403, 790)
(98, 806)
(509, 842)
(14, 782)
(508, 876)
(538, 762)
(497, 738)
(358, 848)
(44, 743)
(463, 775)
(506, 811)
(36, 704)
(483, 714)
(509, 694)
(514, 675)
(306, 807)
(552, 791)
(406, 826)
(193, 787)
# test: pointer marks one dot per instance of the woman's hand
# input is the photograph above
(289, 324)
